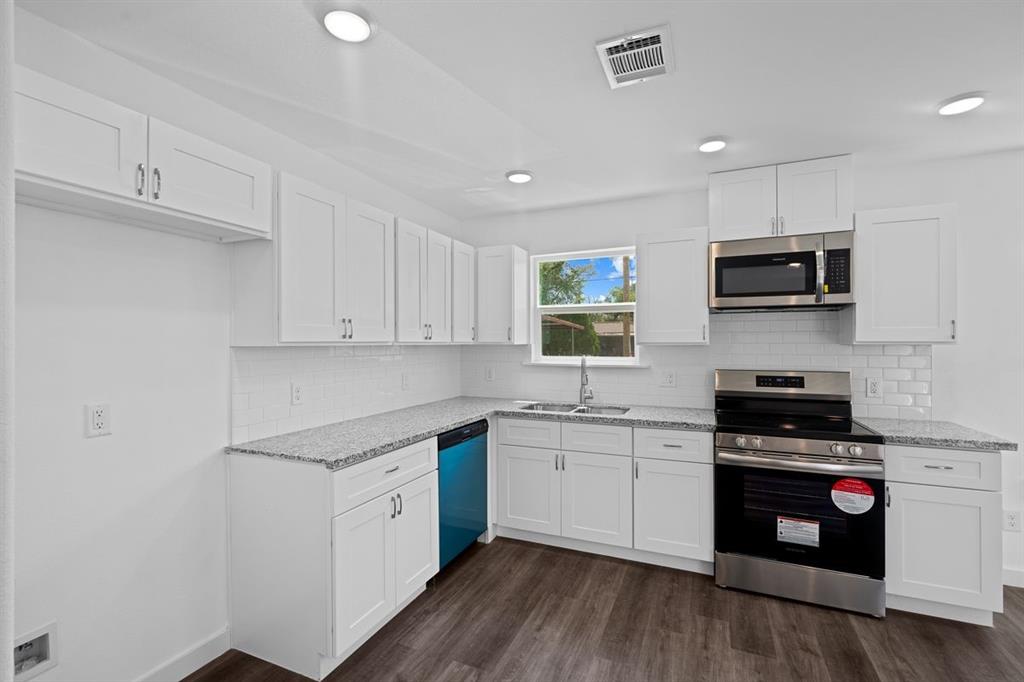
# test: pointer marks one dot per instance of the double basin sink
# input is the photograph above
(575, 409)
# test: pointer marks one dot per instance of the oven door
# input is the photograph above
(779, 271)
(817, 512)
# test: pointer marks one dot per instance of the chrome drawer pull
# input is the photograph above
(671, 445)
(938, 466)
(392, 469)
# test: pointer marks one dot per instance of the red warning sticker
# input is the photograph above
(853, 496)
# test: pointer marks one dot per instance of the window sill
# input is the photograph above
(590, 364)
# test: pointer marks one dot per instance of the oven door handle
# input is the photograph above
(819, 274)
(867, 470)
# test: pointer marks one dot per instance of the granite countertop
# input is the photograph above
(346, 443)
(349, 442)
(935, 434)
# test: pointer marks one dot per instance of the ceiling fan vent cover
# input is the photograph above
(636, 57)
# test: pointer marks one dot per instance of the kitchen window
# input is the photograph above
(584, 303)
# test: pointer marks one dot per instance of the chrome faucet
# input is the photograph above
(586, 393)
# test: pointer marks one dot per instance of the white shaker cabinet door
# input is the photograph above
(674, 508)
(597, 498)
(370, 273)
(905, 275)
(815, 196)
(529, 490)
(944, 545)
(411, 281)
(463, 293)
(193, 174)
(311, 249)
(364, 570)
(672, 273)
(66, 134)
(741, 204)
(417, 547)
(439, 288)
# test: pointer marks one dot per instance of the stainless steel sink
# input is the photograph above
(592, 409)
(549, 407)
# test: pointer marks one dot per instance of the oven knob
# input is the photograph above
(856, 450)
(755, 443)
(741, 442)
(836, 449)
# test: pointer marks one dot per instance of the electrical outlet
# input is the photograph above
(874, 387)
(405, 381)
(668, 379)
(1011, 521)
(488, 374)
(298, 395)
(97, 420)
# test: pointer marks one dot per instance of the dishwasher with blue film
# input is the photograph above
(462, 473)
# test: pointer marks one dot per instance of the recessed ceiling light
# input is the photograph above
(519, 177)
(347, 26)
(711, 144)
(961, 103)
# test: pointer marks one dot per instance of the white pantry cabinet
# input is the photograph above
(423, 284)
(803, 197)
(673, 508)
(529, 489)
(904, 276)
(944, 545)
(80, 153)
(597, 498)
(463, 292)
(672, 272)
(502, 284)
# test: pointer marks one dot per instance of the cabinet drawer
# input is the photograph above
(531, 433)
(678, 446)
(364, 481)
(974, 469)
(600, 438)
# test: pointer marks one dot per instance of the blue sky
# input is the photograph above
(607, 274)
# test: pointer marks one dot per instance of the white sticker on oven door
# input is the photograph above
(853, 496)
(797, 531)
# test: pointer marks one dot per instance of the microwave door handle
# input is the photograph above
(819, 275)
(724, 457)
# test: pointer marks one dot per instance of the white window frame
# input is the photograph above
(537, 310)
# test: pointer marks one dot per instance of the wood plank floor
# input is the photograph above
(518, 611)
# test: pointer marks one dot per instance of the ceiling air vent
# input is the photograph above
(636, 57)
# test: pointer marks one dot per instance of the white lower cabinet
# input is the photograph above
(529, 489)
(416, 535)
(597, 498)
(944, 545)
(673, 508)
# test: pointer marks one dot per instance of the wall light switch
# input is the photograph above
(97, 420)
(668, 379)
(874, 387)
(405, 381)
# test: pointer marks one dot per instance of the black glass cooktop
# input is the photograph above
(820, 420)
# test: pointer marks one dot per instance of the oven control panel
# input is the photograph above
(799, 446)
(777, 381)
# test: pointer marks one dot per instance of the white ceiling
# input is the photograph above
(449, 95)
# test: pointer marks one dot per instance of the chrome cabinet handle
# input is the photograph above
(472, 336)
(157, 183)
(774, 232)
(888, 498)
(952, 325)
(782, 225)
(400, 505)
(943, 467)
(636, 469)
(394, 509)
(556, 461)
(430, 327)
(392, 469)
(563, 461)
(343, 331)
(671, 445)
(704, 333)
(510, 333)
(351, 329)
(819, 279)
(140, 182)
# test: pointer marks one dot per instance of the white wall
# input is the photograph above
(977, 382)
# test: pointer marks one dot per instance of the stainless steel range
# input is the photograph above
(799, 490)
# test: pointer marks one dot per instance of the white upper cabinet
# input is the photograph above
(463, 292)
(69, 135)
(190, 173)
(815, 196)
(904, 276)
(369, 271)
(741, 204)
(502, 308)
(311, 247)
(75, 151)
(672, 277)
(423, 284)
(411, 280)
(804, 197)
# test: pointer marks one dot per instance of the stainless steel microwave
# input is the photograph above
(805, 270)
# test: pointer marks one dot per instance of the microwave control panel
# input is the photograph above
(837, 271)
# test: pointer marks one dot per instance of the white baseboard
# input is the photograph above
(668, 561)
(190, 660)
(1014, 577)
